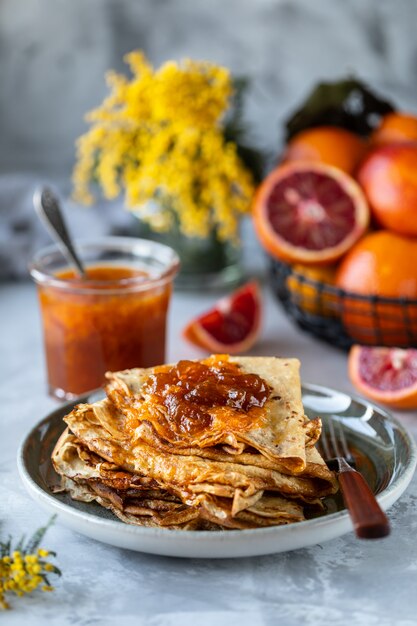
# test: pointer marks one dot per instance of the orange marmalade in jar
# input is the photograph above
(112, 320)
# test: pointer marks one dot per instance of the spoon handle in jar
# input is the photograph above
(49, 211)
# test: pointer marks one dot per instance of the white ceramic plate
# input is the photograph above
(387, 457)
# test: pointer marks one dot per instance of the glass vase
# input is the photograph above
(205, 263)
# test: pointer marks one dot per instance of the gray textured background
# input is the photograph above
(54, 54)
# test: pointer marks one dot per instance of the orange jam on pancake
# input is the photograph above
(191, 397)
(113, 320)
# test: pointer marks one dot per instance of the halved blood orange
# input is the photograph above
(386, 375)
(232, 325)
(309, 213)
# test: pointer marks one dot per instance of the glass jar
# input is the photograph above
(113, 320)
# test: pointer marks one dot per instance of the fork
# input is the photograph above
(369, 520)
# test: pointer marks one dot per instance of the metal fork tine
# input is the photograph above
(342, 440)
(347, 452)
(334, 441)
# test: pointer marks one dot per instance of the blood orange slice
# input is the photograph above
(387, 375)
(309, 213)
(232, 326)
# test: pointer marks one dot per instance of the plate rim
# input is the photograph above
(399, 484)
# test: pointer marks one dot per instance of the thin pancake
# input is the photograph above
(113, 421)
(83, 476)
(85, 493)
(278, 432)
(188, 473)
(80, 471)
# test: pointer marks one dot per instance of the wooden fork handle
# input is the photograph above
(369, 520)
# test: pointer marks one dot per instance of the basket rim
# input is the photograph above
(342, 293)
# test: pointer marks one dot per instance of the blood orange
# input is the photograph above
(305, 286)
(387, 375)
(232, 326)
(395, 127)
(327, 144)
(388, 179)
(381, 264)
(309, 213)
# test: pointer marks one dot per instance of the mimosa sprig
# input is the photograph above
(25, 566)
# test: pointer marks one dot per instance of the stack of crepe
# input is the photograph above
(242, 469)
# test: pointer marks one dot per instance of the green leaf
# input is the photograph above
(37, 537)
(254, 160)
(234, 128)
(347, 103)
(56, 571)
(236, 131)
(20, 543)
(5, 547)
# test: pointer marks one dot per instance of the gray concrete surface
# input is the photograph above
(344, 582)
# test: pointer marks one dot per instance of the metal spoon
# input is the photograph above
(48, 208)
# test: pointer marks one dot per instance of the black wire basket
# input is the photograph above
(342, 318)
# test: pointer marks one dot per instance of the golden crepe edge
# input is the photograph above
(207, 487)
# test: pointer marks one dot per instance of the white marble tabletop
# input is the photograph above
(341, 582)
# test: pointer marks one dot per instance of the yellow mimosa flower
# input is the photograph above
(159, 137)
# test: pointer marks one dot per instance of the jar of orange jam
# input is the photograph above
(114, 319)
